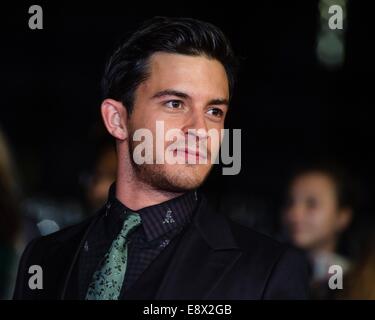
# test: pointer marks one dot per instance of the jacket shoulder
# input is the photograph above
(69, 232)
(53, 254)
(262, 247)
(249, 239)
(283, 268)
(42, 246)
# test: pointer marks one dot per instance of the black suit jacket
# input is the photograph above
(215, 258)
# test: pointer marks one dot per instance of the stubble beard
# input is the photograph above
(157, 177)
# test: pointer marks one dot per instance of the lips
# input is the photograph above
(194, 153)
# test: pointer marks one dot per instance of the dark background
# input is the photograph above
(290, 107)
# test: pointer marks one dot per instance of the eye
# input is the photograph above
(174, 104)
(216, 112)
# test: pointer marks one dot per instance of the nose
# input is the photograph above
(196, 121)
(195, 131)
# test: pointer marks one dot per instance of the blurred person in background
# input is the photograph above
(318, 211)
(10, 222)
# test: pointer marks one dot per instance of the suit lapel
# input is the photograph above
(206, 252)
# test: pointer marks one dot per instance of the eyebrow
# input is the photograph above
(219, 102)
(171, 92)
(183, 95)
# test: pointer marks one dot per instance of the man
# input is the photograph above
(157, 237)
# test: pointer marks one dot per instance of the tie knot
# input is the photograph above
(132, 219)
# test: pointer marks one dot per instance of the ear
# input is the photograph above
(344, 219)
(115, 118)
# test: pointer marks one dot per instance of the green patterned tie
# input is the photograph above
(107, 280)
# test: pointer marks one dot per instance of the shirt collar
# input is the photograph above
(158, 219)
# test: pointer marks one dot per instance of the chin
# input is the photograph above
(173, 178)
(187, 178)
(302, 243)
(185, 183)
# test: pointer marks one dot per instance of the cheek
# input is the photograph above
(213, 145)
(215, 138)
(144, 116)
(135, 122)
(291, 217)
(322, 219)
(146, 123)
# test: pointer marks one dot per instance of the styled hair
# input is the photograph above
(127, 68)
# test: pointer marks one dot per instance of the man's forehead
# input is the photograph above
(195, 75)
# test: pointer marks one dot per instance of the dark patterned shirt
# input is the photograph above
(160, 224)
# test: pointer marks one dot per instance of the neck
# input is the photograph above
(134, 193)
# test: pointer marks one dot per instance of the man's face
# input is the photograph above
(184, 92)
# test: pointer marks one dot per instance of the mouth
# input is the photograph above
(189, 153)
